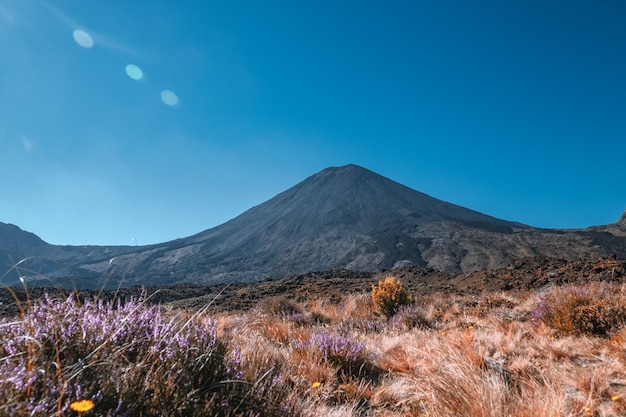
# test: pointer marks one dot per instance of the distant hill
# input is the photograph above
(340, 218)
(23, 254)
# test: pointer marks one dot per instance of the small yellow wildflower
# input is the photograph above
(588, 411)
(470, 327)
(316, 384)
(82, 406)
(615, 398)
(443, 333)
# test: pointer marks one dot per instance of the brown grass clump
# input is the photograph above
(388, 296)
(596, 310)
(279, 306)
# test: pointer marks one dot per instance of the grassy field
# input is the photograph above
(556, 351)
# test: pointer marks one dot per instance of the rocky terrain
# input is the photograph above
(340, 218)
(333, 286)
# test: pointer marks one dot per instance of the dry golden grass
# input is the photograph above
(441, 356)
(469, 356)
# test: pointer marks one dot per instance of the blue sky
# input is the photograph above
(141, 122)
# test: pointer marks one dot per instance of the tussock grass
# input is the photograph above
(555, 352)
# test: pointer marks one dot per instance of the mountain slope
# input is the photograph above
(23, 254)
(347, 217)
(344, 217)
(17, 245)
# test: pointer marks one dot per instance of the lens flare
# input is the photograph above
(169, 98)
(83, 38)
(134, 72)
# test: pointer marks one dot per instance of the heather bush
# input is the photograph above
(346, 353)
(443, 355)
(590, 310)
(388, 296)
(128, 359)
(410, 317)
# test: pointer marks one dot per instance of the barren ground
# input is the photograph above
(526, 274)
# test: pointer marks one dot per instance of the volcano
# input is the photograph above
(340, 218)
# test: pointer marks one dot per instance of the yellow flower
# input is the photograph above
(470, 327)
(443, 333)
(615, 398)
(82, 405)
(316, 384)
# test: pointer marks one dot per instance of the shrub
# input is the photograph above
(126, 359)
(581, 311)
(410, 317)
(348, 354)
(388, 296)
(280, 306)
(596, 318)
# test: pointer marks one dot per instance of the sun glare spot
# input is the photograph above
(83, 38)
(27, 144)
(134, 72)
(169, 98)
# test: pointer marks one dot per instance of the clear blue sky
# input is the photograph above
(126, 122)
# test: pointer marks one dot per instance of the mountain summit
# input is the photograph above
(340, 218)
(346, 217)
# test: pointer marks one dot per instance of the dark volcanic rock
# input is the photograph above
(333, 286)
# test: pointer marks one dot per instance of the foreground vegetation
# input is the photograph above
(559, 351)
